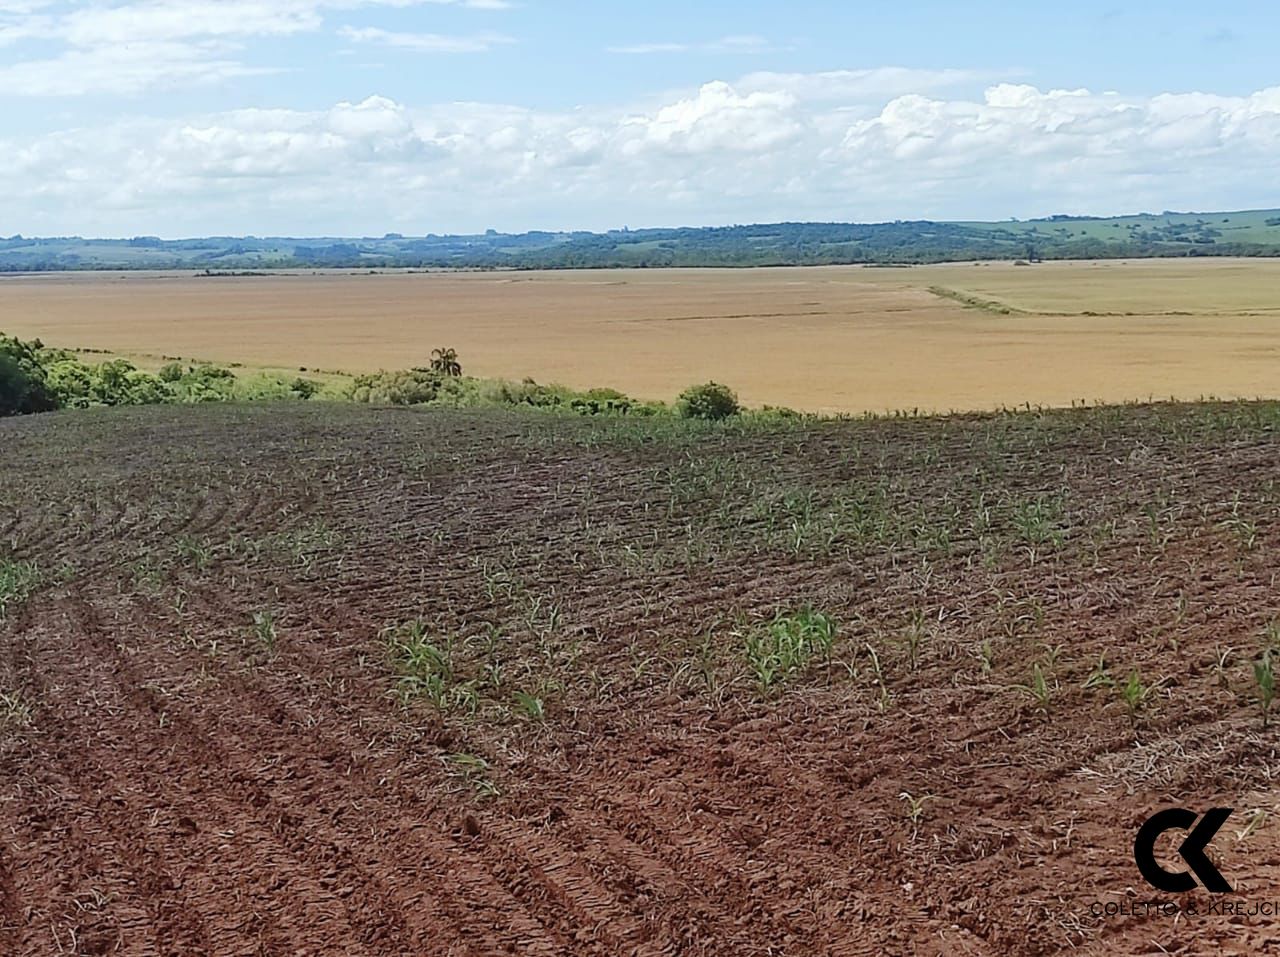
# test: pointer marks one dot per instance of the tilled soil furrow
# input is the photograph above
(718, 875)
(11, 912)
(554, 873)
(570, 898)
(681, 917)
(219, 834)
(408, 862)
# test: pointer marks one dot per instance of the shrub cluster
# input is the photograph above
(431, 387)
(36, 378)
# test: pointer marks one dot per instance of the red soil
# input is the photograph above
(178, 787)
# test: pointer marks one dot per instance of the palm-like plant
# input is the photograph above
(445, 361)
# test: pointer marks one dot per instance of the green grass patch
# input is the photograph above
(18, 581)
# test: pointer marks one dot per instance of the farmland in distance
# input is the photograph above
(826, 339)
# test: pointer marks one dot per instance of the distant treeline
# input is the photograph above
(779, 244)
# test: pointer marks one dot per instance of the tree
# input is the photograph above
(710, 401)
(22, 392)
(445, 362)
(24, 387)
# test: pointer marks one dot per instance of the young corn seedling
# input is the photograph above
(1135, 693)
(1265, 678)
(1100, 677)
(914, 807)
(528, 705)
(1181, 608)
(474, 770)
(787, 644)
(986, 657)
(1245, 530)
(426, 669)
(264, 629)
(1036, 523)
(877, 673)
(1038, 689)
(193, 551)
(914, 636)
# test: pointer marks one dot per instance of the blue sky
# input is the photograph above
(180, 117)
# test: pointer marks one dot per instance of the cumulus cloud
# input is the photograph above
(843, 146)
(717, 119)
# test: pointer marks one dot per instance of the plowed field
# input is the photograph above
(339, 680)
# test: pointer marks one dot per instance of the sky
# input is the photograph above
(360, 117)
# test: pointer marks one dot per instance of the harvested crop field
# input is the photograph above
(316, 679)
(829, 339)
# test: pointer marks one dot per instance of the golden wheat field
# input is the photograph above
(830, 339)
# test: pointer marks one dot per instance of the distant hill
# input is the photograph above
(1248, 233)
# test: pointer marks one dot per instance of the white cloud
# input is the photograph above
(164, 42)
(122, 69)
(479, 4)
(738, 43)
(470, 4)
(179, 19)
(425, 42)
(856, 86)
(840, 146)
(718, 118)
(23, 6)
(26, 27)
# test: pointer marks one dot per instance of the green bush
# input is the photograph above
(601, 402)
(711, 401)
(25, 354)
(408, 387)
(649, 408)
(170, 372)
(142, 388)
(109, 382)
(70, 382)
(527, 392)
(117, 382)
(263, 388)
(205, 383)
